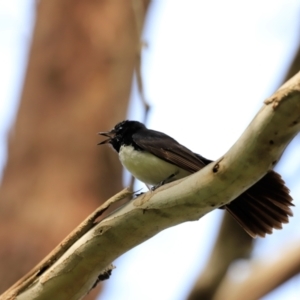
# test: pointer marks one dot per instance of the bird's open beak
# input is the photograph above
(109, 134)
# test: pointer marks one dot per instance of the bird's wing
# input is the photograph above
(168, 149)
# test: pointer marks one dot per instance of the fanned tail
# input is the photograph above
(264, 206)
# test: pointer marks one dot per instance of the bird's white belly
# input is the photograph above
(148, 168)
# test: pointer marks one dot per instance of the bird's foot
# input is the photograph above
(138, 194)
(162, 182)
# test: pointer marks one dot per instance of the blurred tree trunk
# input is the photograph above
(231, 244)
(78, 82)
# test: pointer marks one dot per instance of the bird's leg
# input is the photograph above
(164, 181)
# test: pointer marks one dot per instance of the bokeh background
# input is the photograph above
(206, 67)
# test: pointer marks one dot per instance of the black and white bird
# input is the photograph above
(155, 158)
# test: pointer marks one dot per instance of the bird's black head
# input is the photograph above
(122, 133)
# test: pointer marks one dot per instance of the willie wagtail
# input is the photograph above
(155, 158)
